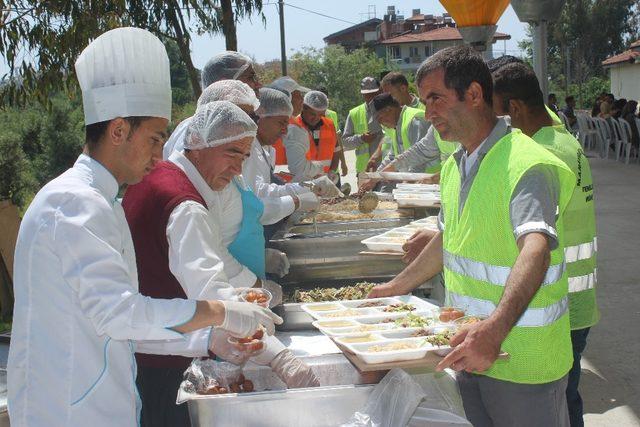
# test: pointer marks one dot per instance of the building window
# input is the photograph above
(427, 51)
(413, 51)
(394, 52)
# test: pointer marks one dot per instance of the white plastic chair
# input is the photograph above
(637, 149)
(593, 131)
(605, 137)
(586, 134)
(565, 122)
(628, 135)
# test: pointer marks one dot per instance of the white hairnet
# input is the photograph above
(316, 100)
(234, 91)
(227, 65)
(124, 73)
(218, 123)
(274, 103)
(287, 84)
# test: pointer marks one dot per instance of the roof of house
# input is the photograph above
(439, 34)
(626, 56)
(368, 22)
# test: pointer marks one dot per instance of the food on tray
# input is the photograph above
(351, 204)
(256, 296)
(449, 314)
(252, 343)
(343, 313)
(242, 385)
(371, 304)
(469, 320)
(412, 321)
(367, 328)
(388, 239)
(335, 324)
(366, 338)
(357, 291)
(440, 339)
(354, 216)
(401, 306)
(394, 346)
(325, 307)
(421, 333)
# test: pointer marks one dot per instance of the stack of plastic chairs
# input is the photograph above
(587, 133)
(605, 137)
(625, 129)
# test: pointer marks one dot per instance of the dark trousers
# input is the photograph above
(574, 401)
(158, 388)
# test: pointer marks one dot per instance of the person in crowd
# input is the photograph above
(184, 251)
(617, 107)
(605, 110)
(517, 94)
(311, 144)
(552, 102)
(75, 267)
(333, 116)
(508, 265)
(396, 84)
(362, 132)
(629, 114)
(595, 110)
(568, 111)
(228, 65)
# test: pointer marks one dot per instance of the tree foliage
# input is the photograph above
(41, 40)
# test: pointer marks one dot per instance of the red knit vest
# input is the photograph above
(147, 206)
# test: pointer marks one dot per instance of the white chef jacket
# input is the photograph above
(176, 140)
(77, 307)
(257, 170)
(296, 144)
(198, 238)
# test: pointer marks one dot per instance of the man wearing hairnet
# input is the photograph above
(233, 91)
(296, 94)
(78, 315)
(209, 241)
(311, 143)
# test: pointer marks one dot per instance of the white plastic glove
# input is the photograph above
(273, 347)
(293, 371)
(241, 319)
(324, 187)
(308, 201)
(219, 344)
(276, 263)
(275, 289)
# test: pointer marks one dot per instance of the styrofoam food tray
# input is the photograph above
(362, 351)
(410, 186)
(382, 243)
(417, 202)
(315, 309)
(428, 220)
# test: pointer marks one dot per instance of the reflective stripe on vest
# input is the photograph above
(493, 274)
(583, 251)
(532, 317)
(583, 283)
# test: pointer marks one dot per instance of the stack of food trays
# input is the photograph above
(393, 329)
(417, 195)
(394, 239)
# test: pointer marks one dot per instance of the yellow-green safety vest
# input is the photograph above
(554, 117)
(479, 251)
(447, 148)
(579, 226)
(333, 116)
(408, 114)
(358, 117)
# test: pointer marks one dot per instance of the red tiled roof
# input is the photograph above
(439, 34)
(626, 56)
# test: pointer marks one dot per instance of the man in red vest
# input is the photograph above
(174, 216)
(311, 143)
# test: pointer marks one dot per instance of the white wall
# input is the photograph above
(625, 81)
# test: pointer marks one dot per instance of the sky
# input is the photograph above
(305, 29)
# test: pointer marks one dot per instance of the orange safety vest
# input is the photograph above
(326, 144)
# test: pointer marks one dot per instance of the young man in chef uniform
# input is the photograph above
(78, 315)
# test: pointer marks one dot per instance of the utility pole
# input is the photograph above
(568, 70)
(283, 49)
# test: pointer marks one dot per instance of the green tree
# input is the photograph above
(41, 40)
(17, 183)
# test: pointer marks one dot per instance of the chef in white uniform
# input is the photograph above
(78, 315)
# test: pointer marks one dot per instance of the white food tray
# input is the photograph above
(420, 200)
(430, 220)
(423, 187)
(382, 243)
(319, 311)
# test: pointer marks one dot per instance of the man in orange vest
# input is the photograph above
(311, 145)
(296, 95)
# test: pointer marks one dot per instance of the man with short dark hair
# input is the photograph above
(553, 102)
(396, 84)
(568, 111)
(501, 250)
(517, 93)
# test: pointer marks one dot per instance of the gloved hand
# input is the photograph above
(219, 344)
(275, 289)
(241, 319)
(276, 263)
(308, 201)
(293, 371)
(323, 187)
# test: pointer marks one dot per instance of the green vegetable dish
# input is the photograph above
(412, 321)
(441, 339)
(357, 291)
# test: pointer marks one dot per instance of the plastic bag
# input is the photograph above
(391, 403)
(214, 377)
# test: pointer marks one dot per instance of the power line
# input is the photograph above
(320, 14)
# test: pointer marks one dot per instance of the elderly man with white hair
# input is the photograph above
(75, 271)
(189, 245)
(311, 144)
